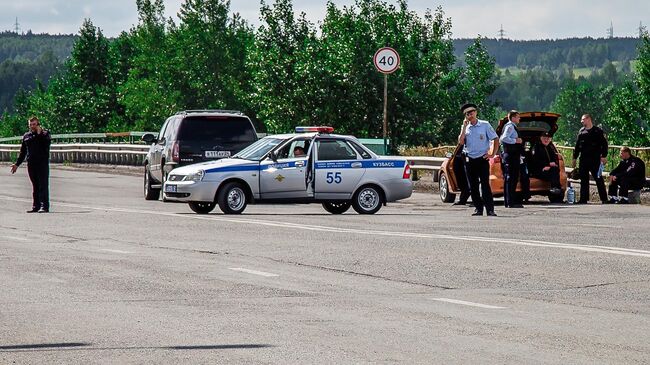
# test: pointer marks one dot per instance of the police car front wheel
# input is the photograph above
(232, 198)
(367, 200)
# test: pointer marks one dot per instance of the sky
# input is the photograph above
(521, 20)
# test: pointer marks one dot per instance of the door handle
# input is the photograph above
(357, 164)
(300, 163)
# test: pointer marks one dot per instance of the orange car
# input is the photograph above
(531, 126)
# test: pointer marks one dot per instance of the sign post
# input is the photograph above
(386, 61)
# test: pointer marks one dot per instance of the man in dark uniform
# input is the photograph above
(512, 146)
(35, 148)
(628, 175)
(591, 147)
(545, 164)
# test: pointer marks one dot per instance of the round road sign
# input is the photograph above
(386, 60)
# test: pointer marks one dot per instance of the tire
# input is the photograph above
(232, 198)
(443, 185)
(367, 200)
(337, 207)
(202, 207)
(556, 198)
(149, 192)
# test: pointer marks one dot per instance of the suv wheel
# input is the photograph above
(443, 185)
(149, 192)
(367, 200)
(202, 207)
(232, 198)
(337, 207)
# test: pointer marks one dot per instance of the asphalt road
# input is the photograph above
(108, 277)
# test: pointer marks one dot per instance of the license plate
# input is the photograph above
(217, 154)
(170, 188)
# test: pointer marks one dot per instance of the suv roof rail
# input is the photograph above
(210, 111)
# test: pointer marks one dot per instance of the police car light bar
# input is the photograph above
(319, 129)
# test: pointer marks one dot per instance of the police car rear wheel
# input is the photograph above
(445, 195)
(367, 200)
(202, 207)
(232, 198)
(149, 192)
(337, 208)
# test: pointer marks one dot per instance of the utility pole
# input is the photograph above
(610, 30)
(17, 26)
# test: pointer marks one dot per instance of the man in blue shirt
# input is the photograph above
(512, 146)
(477, 136)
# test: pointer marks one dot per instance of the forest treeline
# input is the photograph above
(289, 72)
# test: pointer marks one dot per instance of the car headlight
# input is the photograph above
(195, 176)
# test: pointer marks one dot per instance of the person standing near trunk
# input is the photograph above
(35, 149)
(591, 147)
(513, 147)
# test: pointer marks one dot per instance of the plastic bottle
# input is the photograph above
(570, 195)
(600, 170)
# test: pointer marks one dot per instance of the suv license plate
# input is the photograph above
(217, 154)
(170, 188)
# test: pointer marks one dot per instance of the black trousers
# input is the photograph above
(39, 174)
(622, 186)
(478, 172)
(552, 175)
(524, 181)
(586, 168)
(511, 170)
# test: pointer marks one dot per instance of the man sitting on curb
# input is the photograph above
(628, 175)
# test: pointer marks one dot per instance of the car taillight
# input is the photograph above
(175, 152)
(407, 172)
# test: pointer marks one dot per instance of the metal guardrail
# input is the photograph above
(103, 153)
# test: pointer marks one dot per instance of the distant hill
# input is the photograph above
(551, 54)
(31, 46)
(29, 57)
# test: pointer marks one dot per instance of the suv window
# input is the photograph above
(172, 127)
(217, 128)
(335, 150)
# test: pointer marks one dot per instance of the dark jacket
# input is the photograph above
(591, 145)
(632, 170)
(35, 148)
(542, 156)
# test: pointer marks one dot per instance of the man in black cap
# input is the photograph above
(35, 148)
(513, 148)
(591, 147)
(476, 135)
(628, 175)
(545, 164)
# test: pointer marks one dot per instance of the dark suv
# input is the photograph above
(193, 136)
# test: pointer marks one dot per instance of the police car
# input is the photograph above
(309, 166)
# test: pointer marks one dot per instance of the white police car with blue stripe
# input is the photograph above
(309, 166)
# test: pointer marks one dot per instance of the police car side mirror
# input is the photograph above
(149, 138)
(274, 156)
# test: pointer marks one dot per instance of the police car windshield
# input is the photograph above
(259, 149)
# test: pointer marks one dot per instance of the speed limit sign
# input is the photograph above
(386, 60)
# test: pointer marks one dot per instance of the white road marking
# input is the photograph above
(471, 304)
(115, 251)
(309, 227)
(16, 238)
(254, 272)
